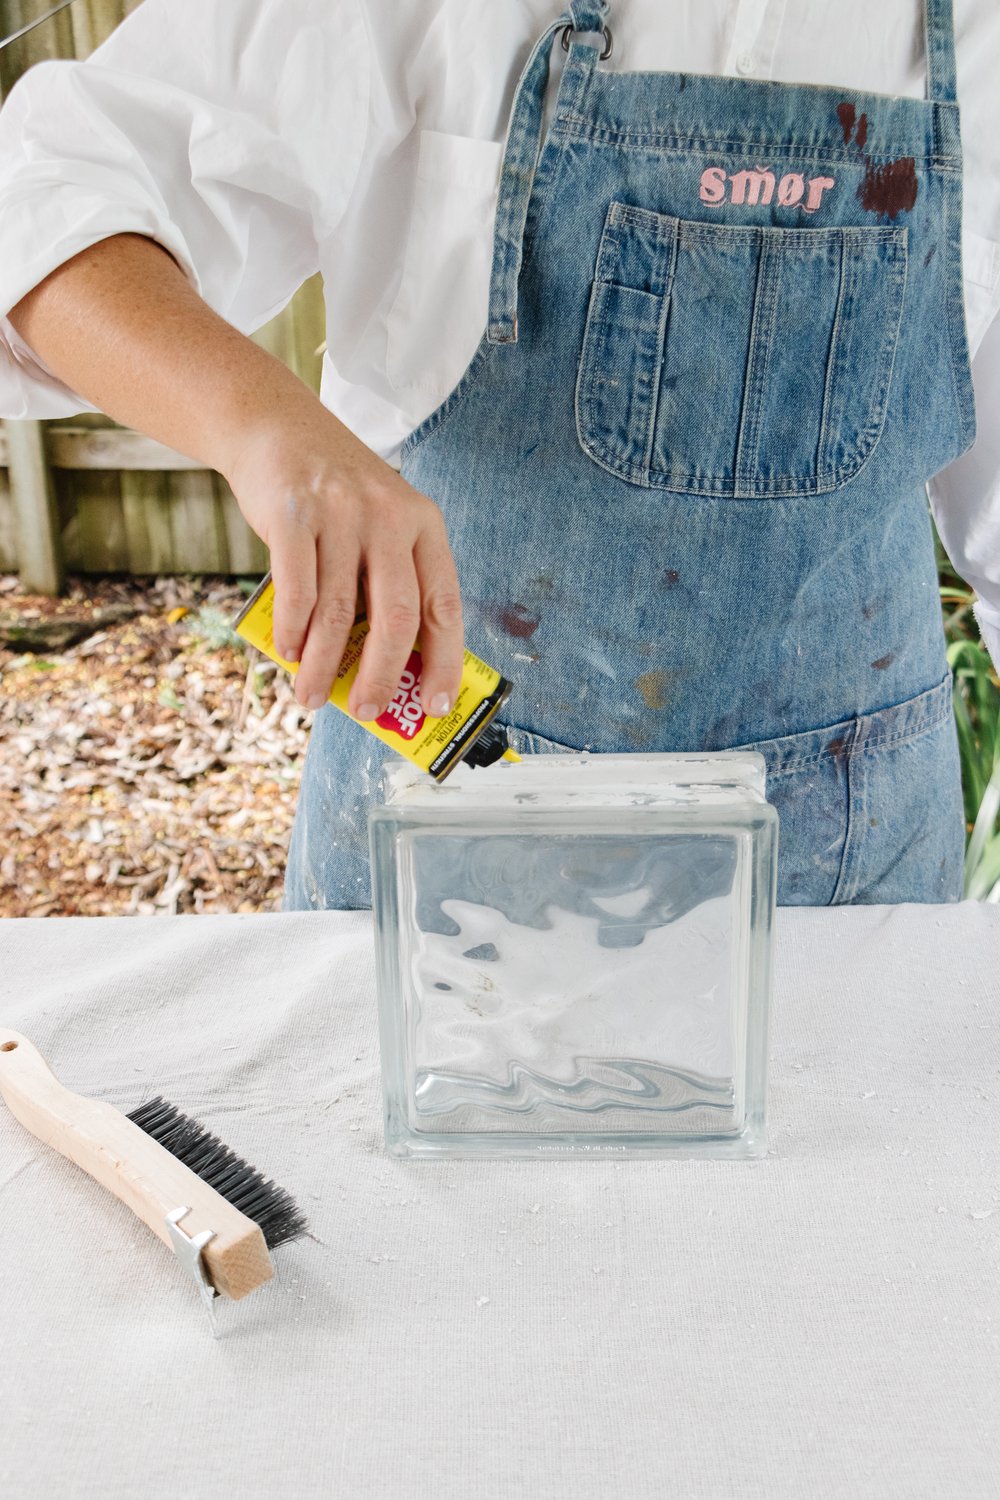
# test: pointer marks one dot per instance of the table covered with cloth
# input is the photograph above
(824, 1321)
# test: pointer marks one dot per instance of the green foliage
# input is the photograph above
(168, 697)
(977, 719)
(213, 627)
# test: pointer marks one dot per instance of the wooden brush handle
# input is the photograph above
(130, 1164)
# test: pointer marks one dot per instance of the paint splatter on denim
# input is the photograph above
(684, 474)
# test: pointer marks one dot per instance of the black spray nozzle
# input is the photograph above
(487, 747)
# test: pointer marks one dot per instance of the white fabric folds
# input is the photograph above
(822, 1322)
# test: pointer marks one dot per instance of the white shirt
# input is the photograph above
(263, 140)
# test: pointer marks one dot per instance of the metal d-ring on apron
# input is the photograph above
(684, 473)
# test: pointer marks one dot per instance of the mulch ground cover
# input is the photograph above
(149, 762)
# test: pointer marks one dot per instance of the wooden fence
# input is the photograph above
(85, 495)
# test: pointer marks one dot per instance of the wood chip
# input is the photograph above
(148, 769)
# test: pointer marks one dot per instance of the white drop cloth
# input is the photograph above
(825, 1322)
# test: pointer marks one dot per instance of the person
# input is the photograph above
(666, 314)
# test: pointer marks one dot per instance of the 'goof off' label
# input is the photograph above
(405, 713)
(435, 745)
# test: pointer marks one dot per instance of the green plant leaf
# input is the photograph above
(982, 884)
(214, 628)
(984, 833)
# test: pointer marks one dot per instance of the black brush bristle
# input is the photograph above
(243, 1186)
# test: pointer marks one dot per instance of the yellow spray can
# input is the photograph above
(468, 733)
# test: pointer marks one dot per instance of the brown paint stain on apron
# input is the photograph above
(653, 687)
(519, 622)
(845, 114)
(890, 189)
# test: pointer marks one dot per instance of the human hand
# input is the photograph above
(341, 526)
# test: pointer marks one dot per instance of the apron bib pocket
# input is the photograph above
(738, 360)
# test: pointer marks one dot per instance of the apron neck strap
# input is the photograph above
(525, 129)
(939, 32)
(588, 15)
(520, 157)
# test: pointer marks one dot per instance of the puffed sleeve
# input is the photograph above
(230, 131)
(965, 497)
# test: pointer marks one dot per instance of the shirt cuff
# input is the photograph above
(65, 220)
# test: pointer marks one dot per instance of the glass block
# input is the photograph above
(574, 956)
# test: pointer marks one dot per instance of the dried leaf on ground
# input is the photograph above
(151, 768)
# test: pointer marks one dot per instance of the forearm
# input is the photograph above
(121, 324)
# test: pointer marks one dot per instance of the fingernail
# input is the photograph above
(287, 653)
(315, 700)
(366, 712)
(440, 704)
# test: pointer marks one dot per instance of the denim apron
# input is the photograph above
(684, 473)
